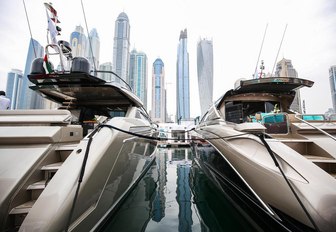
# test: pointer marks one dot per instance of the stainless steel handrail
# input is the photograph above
(309, 124)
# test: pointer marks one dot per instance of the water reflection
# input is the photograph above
(175, 195)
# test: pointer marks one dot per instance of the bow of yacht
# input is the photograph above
(283, 161)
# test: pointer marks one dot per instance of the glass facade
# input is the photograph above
(332, 79)
(121, 46)
(92, 53)
(205, 73)
(285, 68)
(158, 92)
(78, 42)
(28, 99)
(13, 88)
(138, 75)
(182, 80)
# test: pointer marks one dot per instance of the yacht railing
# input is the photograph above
(114, 74)
(297, 116)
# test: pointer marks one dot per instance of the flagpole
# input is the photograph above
(262, 44)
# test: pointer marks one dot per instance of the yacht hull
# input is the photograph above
(253, 163)
(113, 167)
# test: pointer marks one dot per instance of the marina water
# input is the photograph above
(175, 195)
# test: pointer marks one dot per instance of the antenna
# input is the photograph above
(262, 44)
(93, 58)
(283, 35)
(31, 35)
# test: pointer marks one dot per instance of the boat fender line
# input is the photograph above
(131, 133)
(80, 179)
(261, 136)
(166, 139)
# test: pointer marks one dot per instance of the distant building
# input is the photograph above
(138, 75)
(182, 79)
(106, 67)
(205, 73)
(14, 87)
(28, 99)
(121, 46)
(78, 42)
(158, 112)
(92, 52)
(332, 80)
(285, 68)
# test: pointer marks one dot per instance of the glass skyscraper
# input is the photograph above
(332, 79)
(28, 99)
(182, 80)
(92, 53)
(205, 73)
(121, 46)
(78, 42)
(105, 67)
(285, 68)
(13, 88)
(138, 75)
(158, 111)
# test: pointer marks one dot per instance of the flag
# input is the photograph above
(52, 11)
(47, 65)
(52, 29)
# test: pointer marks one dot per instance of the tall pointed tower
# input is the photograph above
(182, 79)
(121, 46)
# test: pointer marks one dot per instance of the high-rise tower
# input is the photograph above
(182, 79)
(158, 111)
(105, 75)
(78, 42)
(285, 68)
(138, 75)
(13, 88)
(29, 99)
(92, 52)
(332, 79)
(205, 73)
(121, 46)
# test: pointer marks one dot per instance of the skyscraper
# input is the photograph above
(13, 88)
(92, 52)
(105, 67)
(138, 75)
(121, 46)
(205, 73)
(78, 42)
(285, 68)
(182, 79)
(332, 79)
(28, 99)
(158, 111)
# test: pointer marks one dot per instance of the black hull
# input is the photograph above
(224, 177)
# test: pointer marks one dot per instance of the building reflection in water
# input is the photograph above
(162, 199)
(176, 195)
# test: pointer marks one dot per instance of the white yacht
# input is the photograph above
(280, 161)
(68, 169)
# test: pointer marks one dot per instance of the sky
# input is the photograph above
(236, 28)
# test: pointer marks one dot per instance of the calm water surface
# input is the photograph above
(175, 195)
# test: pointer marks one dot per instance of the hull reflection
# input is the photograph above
(176, 194)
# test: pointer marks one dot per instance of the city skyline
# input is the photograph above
(236, 33)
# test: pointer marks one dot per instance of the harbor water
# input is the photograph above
(175, 195)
